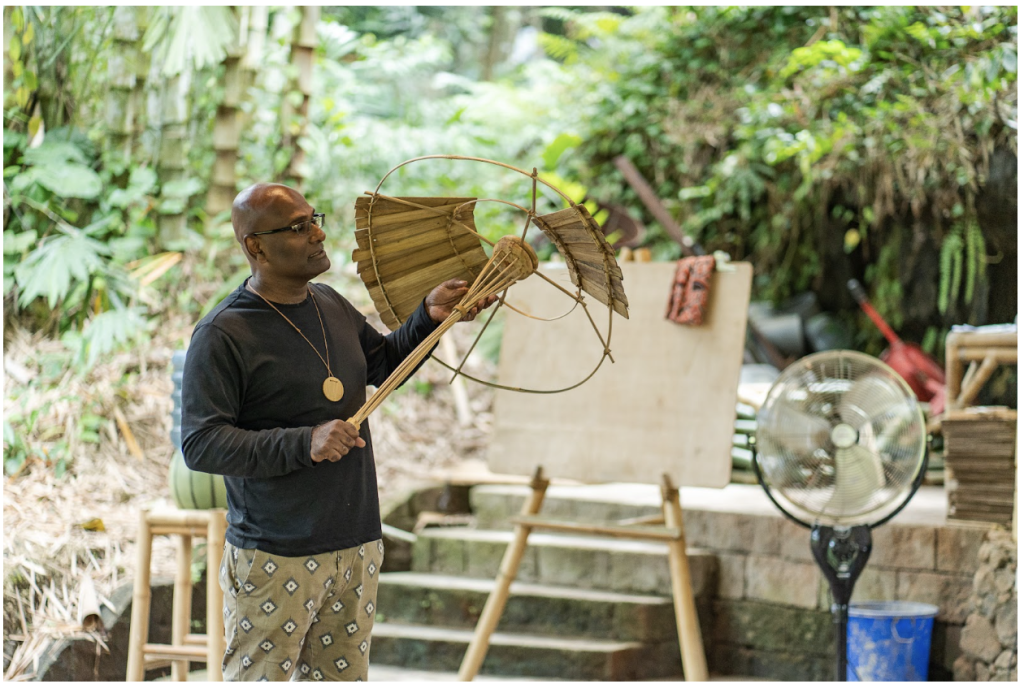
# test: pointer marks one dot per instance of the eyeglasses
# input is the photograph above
(297, 228)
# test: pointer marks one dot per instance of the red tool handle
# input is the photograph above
(857, 290)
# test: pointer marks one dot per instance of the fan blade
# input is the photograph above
(859, 475)
(794, 429)
(868, 397)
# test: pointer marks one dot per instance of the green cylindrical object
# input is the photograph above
(194, 490)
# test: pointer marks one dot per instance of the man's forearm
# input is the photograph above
(232, 451)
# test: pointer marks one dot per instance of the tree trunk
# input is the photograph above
(226, 133)
(296, 118)
(121, 72)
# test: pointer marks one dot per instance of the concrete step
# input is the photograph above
(389, 673)
(448, 601)
(495, 505)
(586, 562)
(519, 655)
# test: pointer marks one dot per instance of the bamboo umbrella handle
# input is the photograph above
(513, 259)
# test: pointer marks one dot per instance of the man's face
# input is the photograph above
(287, 254)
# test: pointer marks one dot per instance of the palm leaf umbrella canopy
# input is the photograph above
(407, 245)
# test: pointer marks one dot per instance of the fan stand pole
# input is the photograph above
(691, 645)
(842, 554)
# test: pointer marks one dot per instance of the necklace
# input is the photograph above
(333, 389)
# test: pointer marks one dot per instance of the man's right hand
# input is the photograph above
(332, 440)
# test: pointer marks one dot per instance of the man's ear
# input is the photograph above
(253, 248)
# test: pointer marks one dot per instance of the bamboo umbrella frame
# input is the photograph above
(512, 260)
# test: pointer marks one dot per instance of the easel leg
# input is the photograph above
(495, 605)
(691, 646)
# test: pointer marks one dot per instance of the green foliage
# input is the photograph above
(783, 131)
(196, 36)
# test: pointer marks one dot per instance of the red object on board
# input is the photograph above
(925, 376)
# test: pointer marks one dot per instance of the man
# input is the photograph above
(270, 377)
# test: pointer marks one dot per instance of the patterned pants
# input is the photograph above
(299, 618)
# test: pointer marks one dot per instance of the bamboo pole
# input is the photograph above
(142, 63)
(138, 632)
(1001, 355)
(296, 120)
(695, 666)
(495, 604)
(227, 131)
(173, 144)
(181, 612)
(214, 595)
(121, 82)
(972, 386)
(954, 368)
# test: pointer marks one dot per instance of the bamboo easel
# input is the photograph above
(691, 646)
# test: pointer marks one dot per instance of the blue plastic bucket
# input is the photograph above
(889, 641)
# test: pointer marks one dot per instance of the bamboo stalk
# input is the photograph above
(181, 612)
(138, 633)
(214, 595)
(88, 604)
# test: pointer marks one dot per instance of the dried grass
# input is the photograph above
(50, 534)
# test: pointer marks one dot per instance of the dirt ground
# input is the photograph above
(60, 530)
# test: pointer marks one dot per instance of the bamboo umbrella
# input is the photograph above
(407, 245)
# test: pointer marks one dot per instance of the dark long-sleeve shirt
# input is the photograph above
(252, 391)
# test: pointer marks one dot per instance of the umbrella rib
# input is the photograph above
(490, 318)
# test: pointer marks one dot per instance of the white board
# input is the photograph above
(667, 404)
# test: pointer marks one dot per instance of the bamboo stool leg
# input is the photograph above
(691, 646)
(181, 617)
(214, 596)
(495, 605)
(138, 633)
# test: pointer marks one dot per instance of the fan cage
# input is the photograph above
(809, 466)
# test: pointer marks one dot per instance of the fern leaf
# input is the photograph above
(972, 261)
(558, 47)
(52, 269)
(958, 269)
(112, 329)
(945, 271)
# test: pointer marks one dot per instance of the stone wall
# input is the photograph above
(989, 639)
(772, 602)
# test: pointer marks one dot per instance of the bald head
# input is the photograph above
(255, 202)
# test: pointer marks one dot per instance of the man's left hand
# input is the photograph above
(442, 300)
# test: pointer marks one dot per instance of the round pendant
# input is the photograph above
(333, 389)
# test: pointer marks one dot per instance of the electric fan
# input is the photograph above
(840, 449)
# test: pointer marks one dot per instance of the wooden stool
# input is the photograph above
(184, 647)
